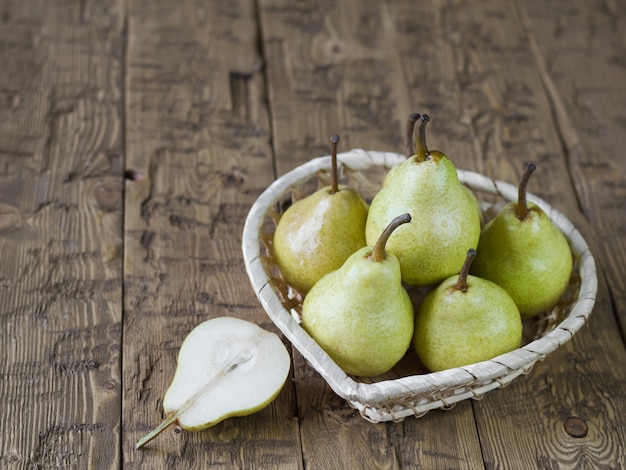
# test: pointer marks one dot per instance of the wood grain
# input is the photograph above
(198, 139)
(134, 137)
(598, 177)
(588, 107)
(61, 198)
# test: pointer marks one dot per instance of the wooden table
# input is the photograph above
(136, 134)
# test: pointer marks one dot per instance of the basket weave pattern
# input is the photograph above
(407, 390)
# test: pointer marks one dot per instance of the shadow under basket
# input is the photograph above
(408, 389)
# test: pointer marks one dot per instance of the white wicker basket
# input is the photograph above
(408, 389)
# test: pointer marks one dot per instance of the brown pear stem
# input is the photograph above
(378, 253)
(522, 204)
(461, 284)
(408, 136)
(334, 140)
(421, 149)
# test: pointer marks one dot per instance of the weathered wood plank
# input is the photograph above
(337, 68)
(580, 53)
(503, 81)
(61, 170)
(498, 93)
(198, 141)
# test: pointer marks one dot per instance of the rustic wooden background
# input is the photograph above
(136, 134)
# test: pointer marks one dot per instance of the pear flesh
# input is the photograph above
(226, 367)
(454, 328)
(360, 314)
(529, 258)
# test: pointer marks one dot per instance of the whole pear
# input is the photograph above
(360, 314)
(317, 234)
(445, 219)
(465, 320)
(522, 251)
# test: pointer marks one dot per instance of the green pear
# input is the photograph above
(317, 234)
(465, 320)
(445, 219)
(226, 367)
(522, 251)
(360, 314)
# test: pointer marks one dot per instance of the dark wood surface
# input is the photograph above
(136, 134)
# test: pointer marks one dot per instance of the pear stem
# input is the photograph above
(421, 149)
(461, 284)
(408, 136)
(240, 358)
(522, 204)
(171, 419)
(378, 252)
(334, 140)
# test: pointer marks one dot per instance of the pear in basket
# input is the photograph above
(317, 234)
(525, 253)
(445, 220)
(360, 314)
(465, 320)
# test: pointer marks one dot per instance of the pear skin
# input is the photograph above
(523, 252)
(360, 314)
(529, 258)
(475, 203)
(317, 234)
(455, 327)
(445, 220)
(445, 223)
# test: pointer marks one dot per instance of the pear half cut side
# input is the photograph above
(226, 367)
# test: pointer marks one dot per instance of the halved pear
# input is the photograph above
(226, 367)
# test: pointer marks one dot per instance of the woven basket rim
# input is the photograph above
(490, 374)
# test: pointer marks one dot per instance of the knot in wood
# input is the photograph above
(576, 427)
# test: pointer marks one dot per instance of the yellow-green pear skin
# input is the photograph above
(468, 192)
(475, 203)
(389, 175)
(361, 315)
(528, 258)
(455, 328)
(445, 220)
(317, 234)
